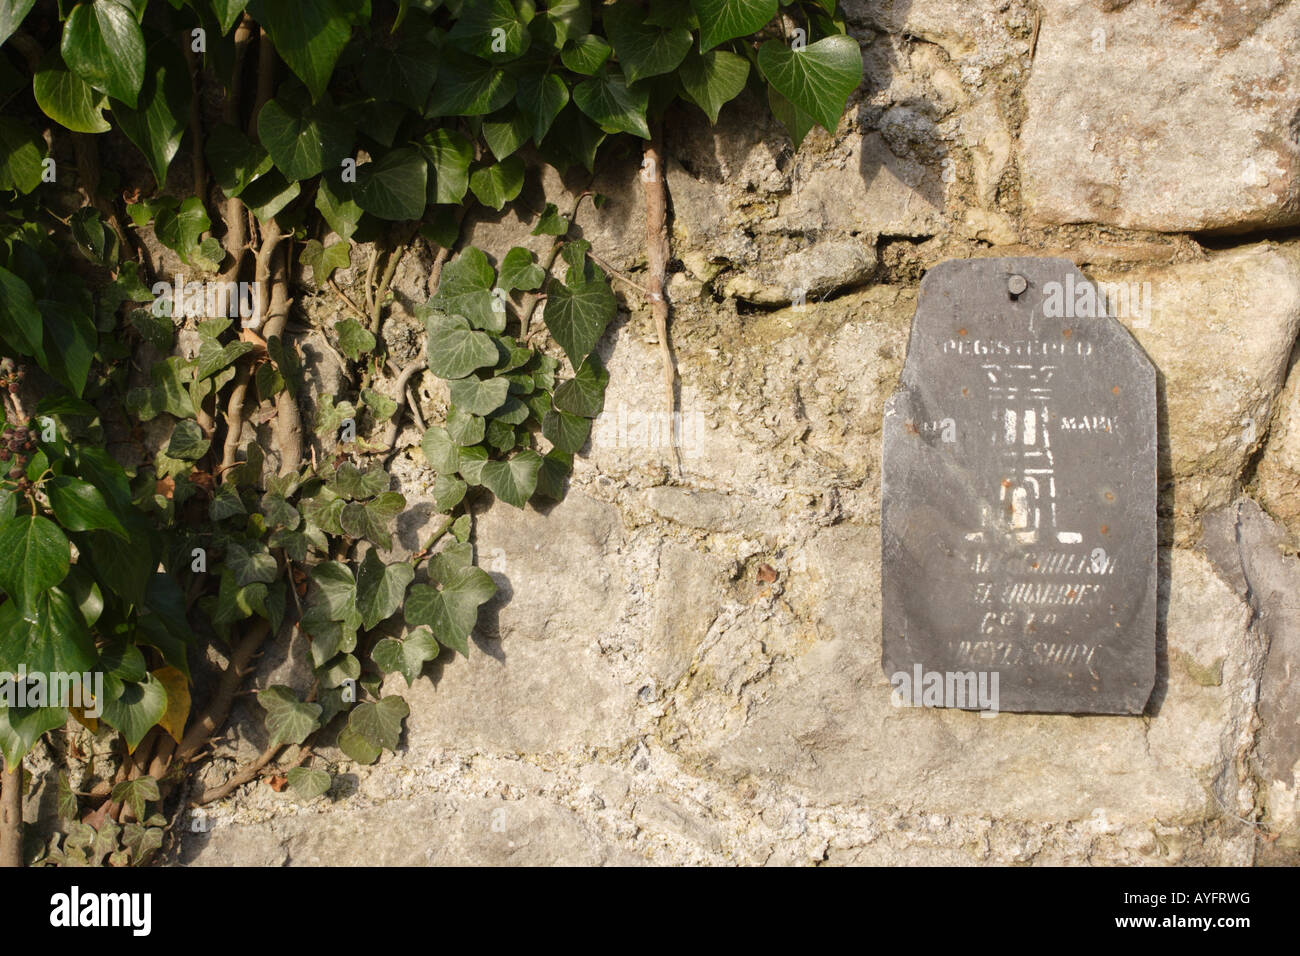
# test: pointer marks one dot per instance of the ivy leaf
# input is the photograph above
(68, 99)
(477, 396)
(21, 324)
(336, 590)
(355, 340)
(21, 727)
(357, 747)
(584, 394)
(441, 452)
(308, 783)
(449, 154)
(542, 98)
(303, 139)
(496, 185)
(80, 506)
(713, 79)
(249, 566)
(394, 187)
(466, 290)
(577, 314)
(512, 481)
(36, 557)
(450, 605)
(448, 492)
(644, 49)
(338, 207)
(722, 20)
(468, 86)
(177, 686)
(268, 195)
(179, 229)
(228, 12)
(556, 467)
(187, 442)
(323, 260)
(102, 43)
(235, 160)
(380, 405)
(22, 153)
(586, 55)
(309, 35)
(551, 223)
(464, 428)
(819, 79)
(351, 482)
(380, 588)
(288, 720)
(370, 520)
(404, 75)
(519, 271)
(135, 793)
(566, 432)
(48, 635)
(408, 655)
(135, 712)
(796, 122)
(490, 29)
(158, 123)
(454, 348)
(615, 108)
(505, 136)
(12, 14)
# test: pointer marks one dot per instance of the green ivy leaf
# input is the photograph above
(47, 634)
(267, 195)
(68, 99)
(404, 75)
(442, 453)
(449, 155)
(449, 606)
(250, 566)
(356, 747)
(722, 20)
(180, 229)
(584, 394)
(586, 54)
(370, 520)
(12, 14)
(506, 134)
(490, 29)
(338, 207)
(235, 160)
(448, 492)
(158, 122)
(380, 588)
(394, 186)
(323, 260)
(512, 481)
(713, 79)
(228, 12)
(566, 432)
(577, 314)
(22, 153)
(288, 720)
(37, 557)
(468, 86)
(355, 340)
(644, 49)
(135, 793)
(352, 483)
(819, 79)
(551, 223)
(308, 783)
(187, 442)
(80, 506)
(556, 467)
(21, 727)
(519, 271)
(477, 396)
(466, 290)
(464, 428)
(408, 655)
(542, 98)
(496, 185)
(615, 107)
(454, 349)
(21, 324)
(102, 43)
(303, 139)
(309, 35)
(134, 713)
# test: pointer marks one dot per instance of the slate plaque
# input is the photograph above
(1019, 495)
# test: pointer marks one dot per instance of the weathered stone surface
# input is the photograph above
(1018, 514)
(1256, 556)
(1277, 477)
(1193, 133)
(1220, 332)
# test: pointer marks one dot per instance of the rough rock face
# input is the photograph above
(683, 666)
(1167, 116)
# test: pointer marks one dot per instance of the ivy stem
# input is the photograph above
(656, 237)
(438, 535)
(11, 815)
(529, 305)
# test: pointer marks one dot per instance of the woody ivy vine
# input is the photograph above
(337, 124)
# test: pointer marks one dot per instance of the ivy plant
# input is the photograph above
(165, 500)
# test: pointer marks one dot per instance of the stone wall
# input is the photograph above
(683, 666)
